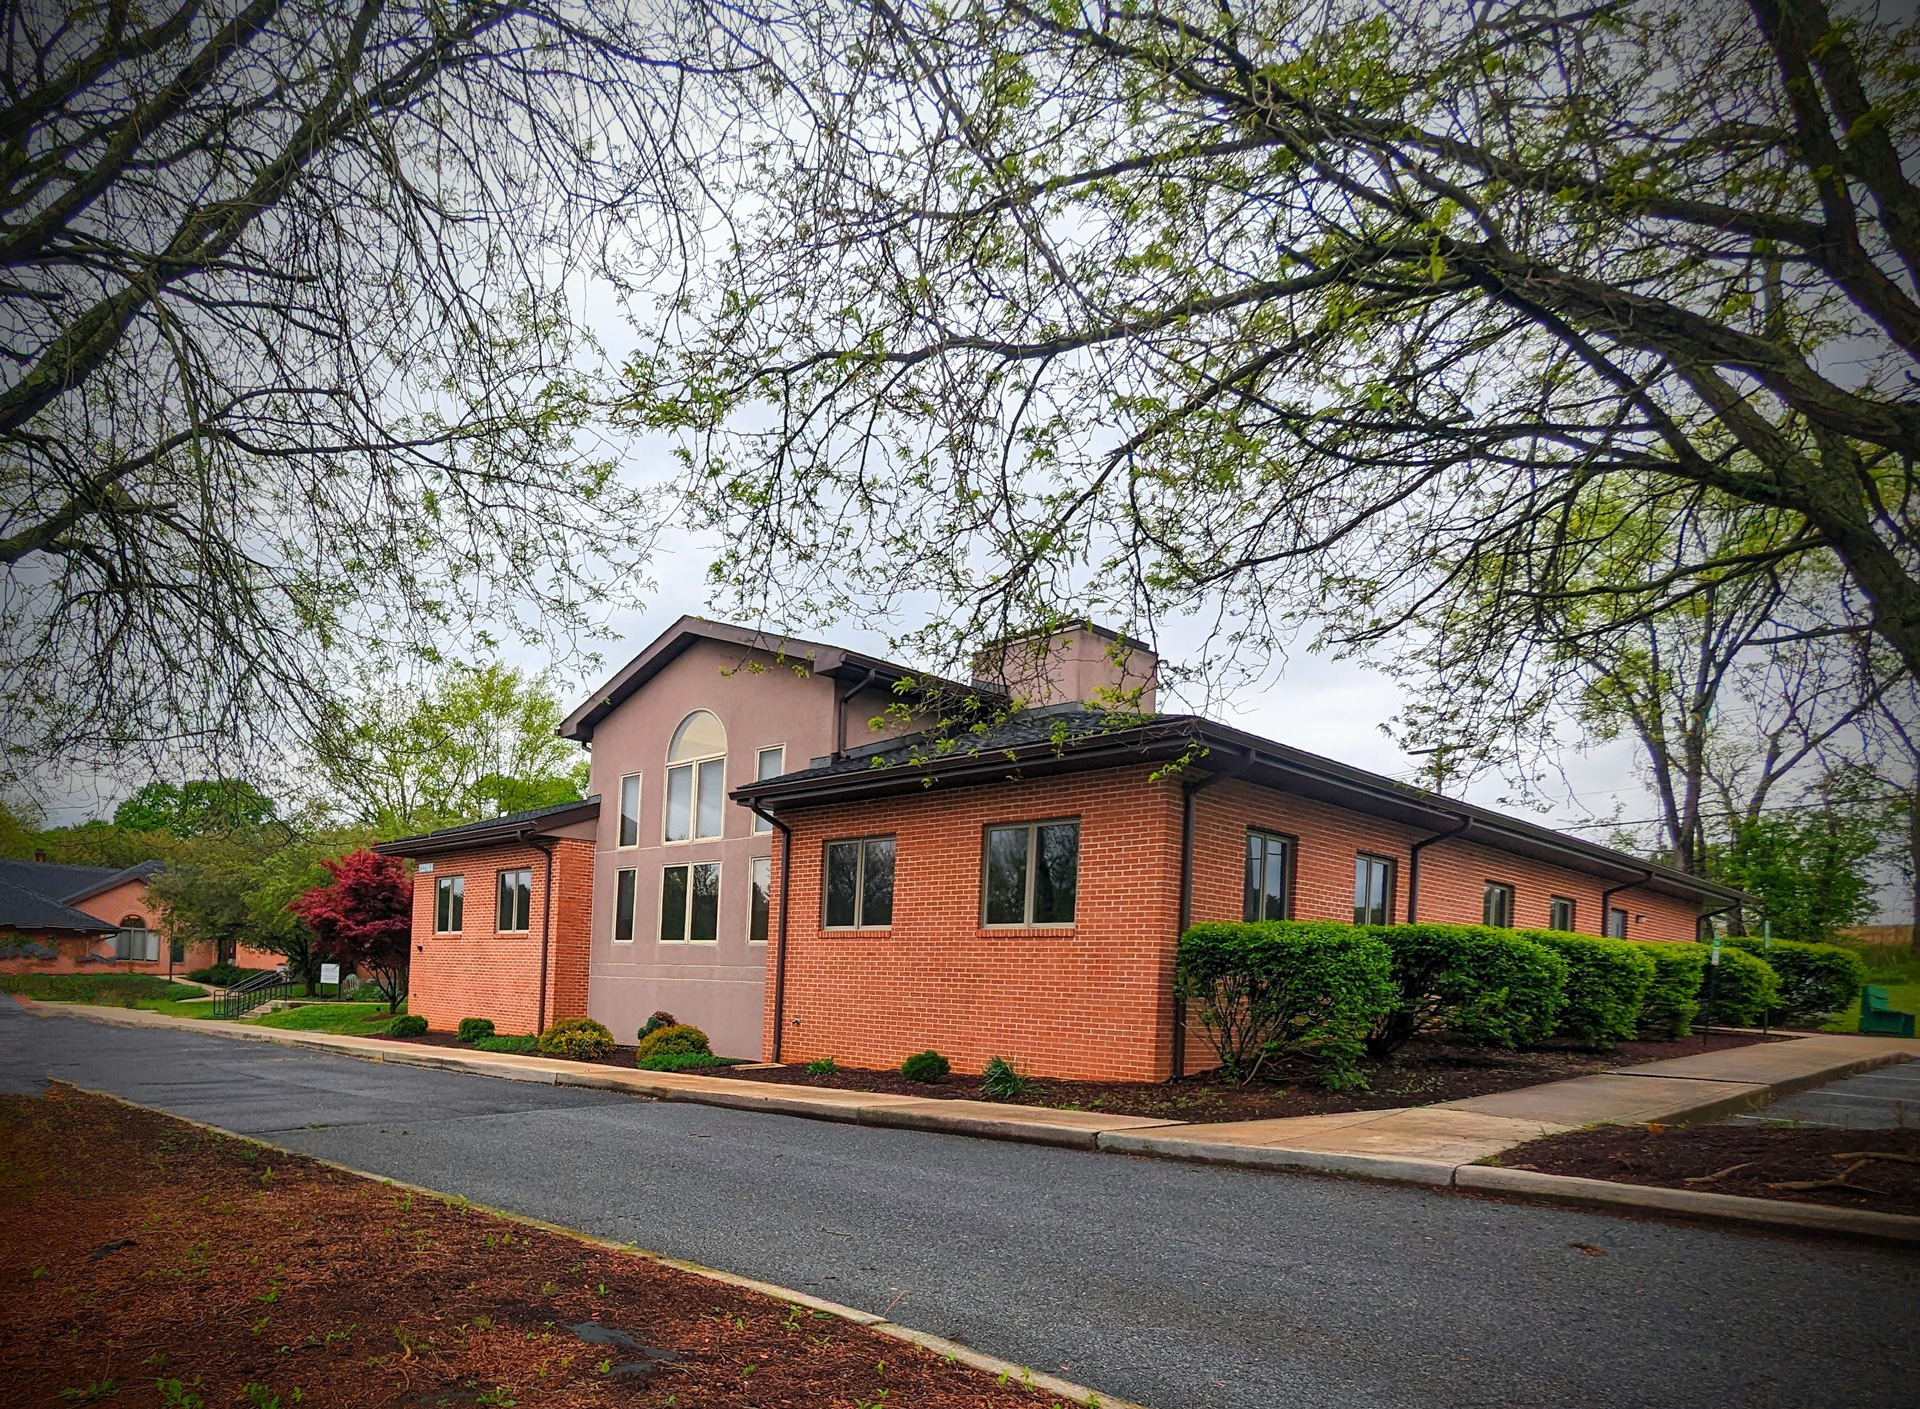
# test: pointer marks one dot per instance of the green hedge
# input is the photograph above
(1816, 980)
(1607, 983)
(109, 989)
(684, 1061)
(1472, 982)
(1672, 998)
(676, 1039)
(1286, 988)
(1745, 989)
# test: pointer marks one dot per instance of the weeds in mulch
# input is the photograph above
(150, 1262)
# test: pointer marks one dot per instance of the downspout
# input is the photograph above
(1187, 791)
(840, 704)
(1607, 895)
(549, 846)
(1413, 865)
(1700, 931)
(780, 938)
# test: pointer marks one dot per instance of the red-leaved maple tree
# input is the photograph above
(363, 918)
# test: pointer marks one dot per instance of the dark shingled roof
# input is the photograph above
(35, 896)
(532, 822)
(1073, 738)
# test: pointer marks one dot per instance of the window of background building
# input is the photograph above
(690, 903)
(760, 876)
(1032, 873)
(1372, 890)
(625, 883)
(696, 778)
(768, 763)
(135, 942)
(860, 883)
(1269, 876)
(1497, 908)
(1560, 913)
(449, 904)
(516, 902)
(630, 810)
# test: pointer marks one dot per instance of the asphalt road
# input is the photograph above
(1174, 1285)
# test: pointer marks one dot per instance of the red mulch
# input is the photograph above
(1757, 1161)
(1425, 1073)
(163, 1265)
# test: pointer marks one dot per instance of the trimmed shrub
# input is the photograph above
(1816, 980)
(1745, 989)
(473, 1029)
(659, 1019)
(680, 1038)
(683, 1061)
(1000, 1082)
(407, 1025)
(1607, 983)
(1672, 999)
(1479, 984)
(223, 975)
(577, 1039)
(526, 1044)
(928, 1067)
(822, 1066)
(1286, 988)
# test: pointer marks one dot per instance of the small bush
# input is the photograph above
(473, 1029)
(677, 1037)
(223, 975)
(683, 1061)
(660, 1018)
(1000, 1082)
(1483, 985)
(928, 1067)
(1672, 999)
(822, 1066)
(525, 1044)
(1286, 988)
(1745, 989)
(577, 1039)
(407, 1025)
(1607, 983)
(1816, 980)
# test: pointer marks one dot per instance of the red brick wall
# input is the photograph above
(482, 973)
(1091, 1000)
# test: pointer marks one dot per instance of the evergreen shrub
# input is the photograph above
(658, 1019)
(1481, 985)
(1816, 980)
(473, 1029)
(1743, 992)
(1607, 983)
(407, 1025)
(1672, 999)
(928, 1067)
(577, 1039)
(676, 1038)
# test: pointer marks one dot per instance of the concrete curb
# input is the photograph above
(1389, 1168)
(953, 1350)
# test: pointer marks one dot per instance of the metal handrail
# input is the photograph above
(243, 998)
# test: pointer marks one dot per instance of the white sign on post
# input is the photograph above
(329, 973)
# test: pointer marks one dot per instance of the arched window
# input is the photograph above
(696, 777)
(135, 941)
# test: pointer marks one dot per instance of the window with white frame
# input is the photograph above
(630, 810)
(515, 911)
(1496, 905)
(760, 874)
(449, 904)
(135, 942)
(696, 778)
(1031, 873)
(1617, 924)
(690, 903)
(768, 763)
(624, 885)
(1560, 912)
(859, 883)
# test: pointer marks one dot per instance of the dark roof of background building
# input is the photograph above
(1073, 738)
(41, 895)
(507, 827)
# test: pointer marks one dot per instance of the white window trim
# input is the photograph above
(719, 901)
(753, 861)
(1513, 903)
(527, 871)
(1033, 870)
(639, 797)
(693, 801)
(1573, 912)
(859, 880)
(761, 827)
(614, 933)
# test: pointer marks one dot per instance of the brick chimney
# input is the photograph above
(1087, 665)
(39, 853)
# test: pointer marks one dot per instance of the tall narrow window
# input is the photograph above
(1617, 923)
(696, 778)
(690, 903)
(1496, 907)
(768, 763)
(449, 904)
(630, 810)
(516, 901)
(1269, 871)
(1560, 914)
(1372, 890)
(623, 892)
(760, 876)
(1031, 874)
(860, 883)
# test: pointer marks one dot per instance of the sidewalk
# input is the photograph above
(1439, 1146)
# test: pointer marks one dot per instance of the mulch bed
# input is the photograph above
(1757, 1161)
(1425, 1074)
(157, 1264)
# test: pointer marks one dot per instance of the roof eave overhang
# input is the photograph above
(469, 839)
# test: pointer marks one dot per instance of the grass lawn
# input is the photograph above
(354, 1019)
(1900, 977)
(119, 990)
(173, 1008)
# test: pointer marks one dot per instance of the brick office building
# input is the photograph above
(1012, 889)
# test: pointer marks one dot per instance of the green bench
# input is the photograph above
(1879, 1019)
